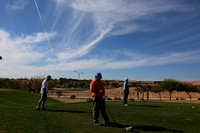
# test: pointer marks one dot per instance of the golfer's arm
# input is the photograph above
(92, 88)
(95, 91)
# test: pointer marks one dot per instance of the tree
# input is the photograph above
(148, 88)
(157, 89)
(30, 87)
(170, 85)
(137, 89)
(191, 88)
(24, 85)
(115, 84)
(69, 85)
(14, 84)
(140, 89)
(5, 83)
(188, 88)
(52, 83)
(36, 84)
(133, 84)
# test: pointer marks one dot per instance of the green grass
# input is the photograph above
(17, 114)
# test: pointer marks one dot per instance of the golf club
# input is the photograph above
(109, 112)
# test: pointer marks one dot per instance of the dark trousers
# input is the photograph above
(99, 104)
(125, 96)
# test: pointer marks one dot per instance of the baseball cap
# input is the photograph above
(98, 75)
(125, 79)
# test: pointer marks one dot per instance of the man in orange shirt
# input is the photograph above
(98, 93)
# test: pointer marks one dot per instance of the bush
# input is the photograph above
(73, 97)
(59, 93)
(132, 99)
(89, 100)
(108, 98)
(177, 99)
(199, 98)
(182, 98)
(117, 98)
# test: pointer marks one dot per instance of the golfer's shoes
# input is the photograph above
(130, 128)
(107, 122)
(37, 108)
(125, 104)
(43, 108)
(96, 123)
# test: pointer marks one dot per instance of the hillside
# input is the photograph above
(118, 93)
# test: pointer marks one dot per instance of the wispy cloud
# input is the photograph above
(21, 50)
(116, 13)
(22, 54)
(181, 57)
(106, 64)
(46, 35)
(17, 4)
(79, 32)
(81, 51)
(118, 17)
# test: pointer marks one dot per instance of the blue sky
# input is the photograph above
(138, 39)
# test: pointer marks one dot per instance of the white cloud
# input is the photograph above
(22, 54)
(105, 63)
(20, 57)
(116, 12)
(118, 17)
(17, 4)
(182, 57)
(83, 50)
(20, 50)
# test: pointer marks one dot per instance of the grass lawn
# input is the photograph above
(17, 114)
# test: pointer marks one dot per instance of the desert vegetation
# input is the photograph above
(142, 89)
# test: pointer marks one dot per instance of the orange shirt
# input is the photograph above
(96, 87)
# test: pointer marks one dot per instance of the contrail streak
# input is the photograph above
(74, 28)
(44, 29)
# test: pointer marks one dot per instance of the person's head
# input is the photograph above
(48, 77)
(126, 79)
(98, 76)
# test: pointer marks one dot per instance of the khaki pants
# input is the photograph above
(99, 104)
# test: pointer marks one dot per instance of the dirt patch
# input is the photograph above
(119, 93)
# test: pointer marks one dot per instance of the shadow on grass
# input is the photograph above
(153, 106)
(67, 111)
(147, 128)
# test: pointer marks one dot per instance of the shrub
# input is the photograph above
(131, 99)
(117, 98)
(182, 98)
(73, 97)
(177, 99)
(59, 93)
(199, 98)
(108, 98)
(89, 100)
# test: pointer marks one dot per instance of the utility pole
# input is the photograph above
(79, 73)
